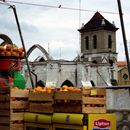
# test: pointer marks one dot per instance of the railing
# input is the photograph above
(124, 82)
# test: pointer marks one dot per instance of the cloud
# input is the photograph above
(58, 27)
(60, 50)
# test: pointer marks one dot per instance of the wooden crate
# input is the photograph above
(69, 101)
(86, 101)
(41, 102)
(94, 100)
(13, 104)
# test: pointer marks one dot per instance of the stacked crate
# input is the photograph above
(65, 109)
(41, 102)
(88, 100)
(40, 111)
(73, 108)
(13, 104)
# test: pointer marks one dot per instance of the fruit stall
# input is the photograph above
(13, 99)
(68, 108)
(47, 108)
(78, 109)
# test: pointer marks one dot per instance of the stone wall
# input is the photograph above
(54, 73)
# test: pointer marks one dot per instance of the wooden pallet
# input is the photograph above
(86, 101)
(41, 102)
(13, 104)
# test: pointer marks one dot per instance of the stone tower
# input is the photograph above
(98, 40)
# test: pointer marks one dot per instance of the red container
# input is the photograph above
(10, 64)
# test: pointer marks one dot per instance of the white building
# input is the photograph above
(95, 66)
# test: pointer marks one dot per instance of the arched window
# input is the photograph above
(94, 61)
(40, 83)
(125, 76)
(87, 43)
(94, 42)
(67, 82)
(109, 41)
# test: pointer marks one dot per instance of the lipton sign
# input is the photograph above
(102, 123)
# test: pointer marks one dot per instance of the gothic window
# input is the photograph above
(94, 42)
(87, 43)
(67, 82)
(109, 41)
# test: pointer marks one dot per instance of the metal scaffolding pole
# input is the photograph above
(124, 35)
(21, 37)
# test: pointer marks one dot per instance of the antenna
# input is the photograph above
(60, 52)
(79, 24)
(79, 13)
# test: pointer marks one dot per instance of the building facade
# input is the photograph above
(95, 66)
(123, 75)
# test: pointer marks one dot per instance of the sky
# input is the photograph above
(56, 29)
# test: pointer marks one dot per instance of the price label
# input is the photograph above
(93, 92)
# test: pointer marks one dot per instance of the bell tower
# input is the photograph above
(98, 40)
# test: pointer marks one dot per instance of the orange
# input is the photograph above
(38, 88)
(9, 47)
(65, 87)
(77, 89)
(71, 88)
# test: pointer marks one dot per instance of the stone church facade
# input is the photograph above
(95, 66)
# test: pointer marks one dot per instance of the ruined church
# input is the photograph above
(95, 66)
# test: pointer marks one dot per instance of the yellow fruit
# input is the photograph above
(77, 89)
(65, 87)
(38, 88)
(9, 47)
(20, 50)
(8, 53)
(71, 88)
(21, 55)
(48, 90)
(14, 88)
(2, 48)
(2, 53)
(15, 49)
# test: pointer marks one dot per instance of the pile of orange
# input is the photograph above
(16, 88)
(10, 50)
(70, 88)
(51, 89)
(45, 89)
